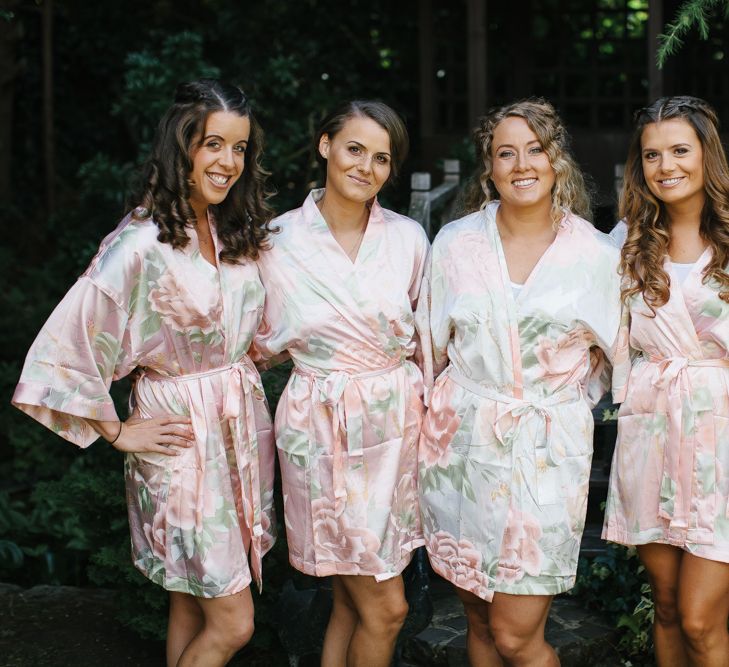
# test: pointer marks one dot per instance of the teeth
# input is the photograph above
(219, 178)
(670, 181)
(525, 181)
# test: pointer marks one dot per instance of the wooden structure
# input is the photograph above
(593, 59)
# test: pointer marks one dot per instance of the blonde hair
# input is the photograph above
(569, 190)
(649, 233)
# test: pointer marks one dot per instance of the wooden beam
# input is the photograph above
(48, 138)
(655, 28)
(427, 74)
(477, 59)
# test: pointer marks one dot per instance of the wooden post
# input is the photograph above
(420, 199)
(48, 139)
(427, 75)
(655, 27)
(477, 59)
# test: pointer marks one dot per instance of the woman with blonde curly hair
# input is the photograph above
(521, 300)
(669, 485)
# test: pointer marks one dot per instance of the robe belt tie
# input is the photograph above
(242, 382)
(681, 446)
(545, 454)
(335, 391)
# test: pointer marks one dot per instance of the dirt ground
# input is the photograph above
(59, 626)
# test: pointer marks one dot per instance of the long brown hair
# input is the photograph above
(649, 232)
(569, 189)
(242, 218)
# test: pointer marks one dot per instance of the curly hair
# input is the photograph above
(649, 229)
(243, 218)
(386, 117)
(569, 191)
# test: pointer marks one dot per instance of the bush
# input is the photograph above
(615, 584)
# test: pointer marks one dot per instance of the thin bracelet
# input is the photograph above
(111, 442)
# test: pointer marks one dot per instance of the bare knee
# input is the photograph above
(665, 604)
(386, 618)
(696, 628)
(510, 645)
(234, 634)
(478, 621)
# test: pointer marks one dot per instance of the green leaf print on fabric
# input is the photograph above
(108, 347)
(150, 326)
(295, 446)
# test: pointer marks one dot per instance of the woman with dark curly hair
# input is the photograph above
(520, 304)
(669, 485)
(174, 294)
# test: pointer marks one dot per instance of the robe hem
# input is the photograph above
(355, 569)
(178, 587)
(629, 539)
(477, 582)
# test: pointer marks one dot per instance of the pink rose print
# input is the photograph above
(561, 360)
(462, 559)
(173, 303)
(520, 551)
(336, 541)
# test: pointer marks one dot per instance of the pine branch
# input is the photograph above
(692, 13)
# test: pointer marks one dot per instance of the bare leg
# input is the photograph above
(663, 564)
(517, 625)
(227, 627)
(703, 604)
(381, 610)
(185, 621)
(341, 626)
(479, 640)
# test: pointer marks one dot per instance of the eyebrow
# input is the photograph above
(529, 143)
(361, 145)
(678, 145)
(218, 136)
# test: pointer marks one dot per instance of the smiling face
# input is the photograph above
(521, 171)
(218, 159)
(673, 162)
(358, 159)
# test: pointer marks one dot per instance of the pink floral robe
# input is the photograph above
(348, 421)
(669, 481)
(506, 445)
(188, 326)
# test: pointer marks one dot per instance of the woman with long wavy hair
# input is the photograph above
(519, 305)
(669, 484)
(174, 294)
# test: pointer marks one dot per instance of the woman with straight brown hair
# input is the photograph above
(342, 280)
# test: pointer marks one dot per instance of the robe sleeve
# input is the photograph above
(622, 358)
(433, 320)
(606, 332)
(262, 351)
(415, 289)
(84, 345)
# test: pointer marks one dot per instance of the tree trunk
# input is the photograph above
(10, 32)
(48, 139)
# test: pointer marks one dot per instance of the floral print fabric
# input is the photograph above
(348, 421)
(669, 481)
(506, 445)
(187, 325)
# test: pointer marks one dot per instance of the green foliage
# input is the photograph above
(691, 14)
(614, 583)
(62, 513)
